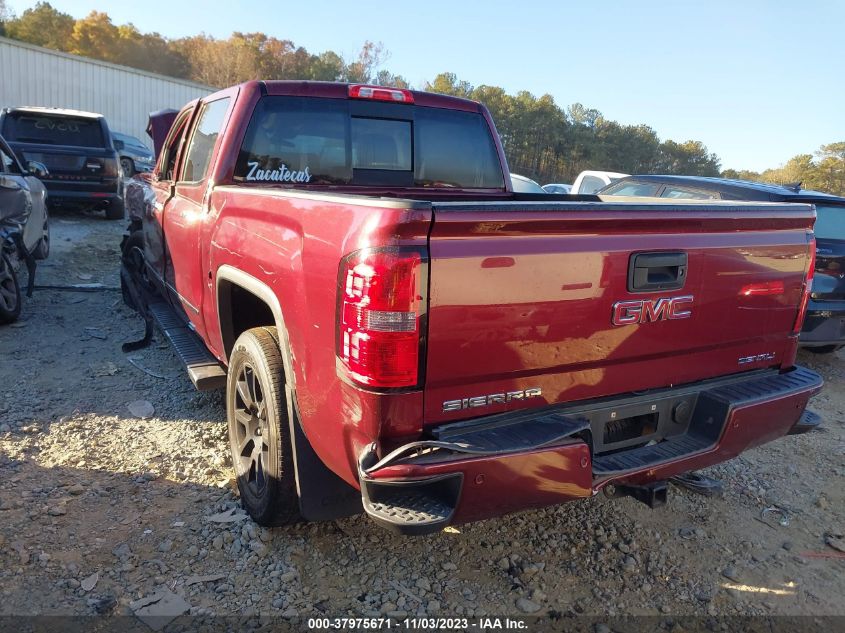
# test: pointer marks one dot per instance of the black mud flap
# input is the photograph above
(323, 496)
(134, 297)
(137, 297)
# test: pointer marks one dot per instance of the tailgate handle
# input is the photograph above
(657, 271)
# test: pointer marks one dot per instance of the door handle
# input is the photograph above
(657, 271)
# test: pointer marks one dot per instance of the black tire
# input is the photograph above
(115, 209)
(42, 249)
(823, 349)
(10, 292)
(128, 167)
(256, 410)
(132, 259)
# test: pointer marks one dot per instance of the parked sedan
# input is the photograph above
(134, 155)
(557, 188)
(824, 326)
(24, 226)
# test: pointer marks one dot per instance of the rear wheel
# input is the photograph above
(258, 428)
(128, 167)
(10, 292)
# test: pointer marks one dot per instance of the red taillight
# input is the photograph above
(379, 93)
(380, 310)
(807, 288)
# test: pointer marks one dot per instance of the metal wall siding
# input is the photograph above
(35, 76)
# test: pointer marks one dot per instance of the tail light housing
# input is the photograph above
(807, 288)
(380, 93)
(381, 316)
(110, 167)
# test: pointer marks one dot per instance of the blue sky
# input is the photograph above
(756, 81)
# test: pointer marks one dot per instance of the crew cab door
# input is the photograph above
(162, 186)
(185, 212)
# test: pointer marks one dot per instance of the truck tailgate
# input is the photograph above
(523, 297)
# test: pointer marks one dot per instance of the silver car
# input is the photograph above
(24, 227)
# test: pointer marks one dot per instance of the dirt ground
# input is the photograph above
(101, 506)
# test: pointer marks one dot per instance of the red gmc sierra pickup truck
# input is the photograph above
(398, 332)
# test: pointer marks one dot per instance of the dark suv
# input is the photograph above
(76, 148)
(824, 326)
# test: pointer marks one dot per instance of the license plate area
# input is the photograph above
(629, 426)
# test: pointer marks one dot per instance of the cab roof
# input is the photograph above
(728, 184)
(81, 114)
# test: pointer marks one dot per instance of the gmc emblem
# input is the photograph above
(651, 310)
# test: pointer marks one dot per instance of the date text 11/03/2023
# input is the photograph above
(418, 624)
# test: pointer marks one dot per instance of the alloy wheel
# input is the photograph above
(8, 292)
(251, 427)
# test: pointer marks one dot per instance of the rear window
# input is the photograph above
(830, 222)
(310, 141)
(53, 130)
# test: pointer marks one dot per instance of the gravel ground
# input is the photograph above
(102, 504)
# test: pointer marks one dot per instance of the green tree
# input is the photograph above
(448, 84)
(327, 66)
(95, 36)
(42, 25)
(366, 65)
(690, 158)
(5, 15)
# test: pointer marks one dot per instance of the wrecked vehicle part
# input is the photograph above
(10, 292)
(135, 287)
(698, 483)
(28, 260)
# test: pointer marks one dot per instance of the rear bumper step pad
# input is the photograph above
(422, 487)
(503, 463)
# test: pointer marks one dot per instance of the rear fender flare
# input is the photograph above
(322, 494)
(261, 290)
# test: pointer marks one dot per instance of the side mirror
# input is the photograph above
(39, 170)
(118, 145)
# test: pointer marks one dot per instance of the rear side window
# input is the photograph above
(204, 139)
(830, 222)
(455, 150)
(25, 127)
(688, 194)
(170, 152)
(632, 188)
(311, 141)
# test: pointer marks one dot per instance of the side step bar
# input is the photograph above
(203, 369)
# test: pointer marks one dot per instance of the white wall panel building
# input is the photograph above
(35, 76)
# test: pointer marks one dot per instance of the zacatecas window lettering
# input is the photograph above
(281, 174)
